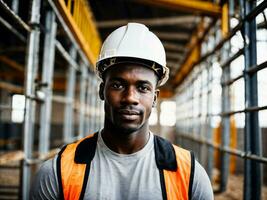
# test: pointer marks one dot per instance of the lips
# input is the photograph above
(128, 114)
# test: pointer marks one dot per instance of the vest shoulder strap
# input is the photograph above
(176, 167)
(73, 165)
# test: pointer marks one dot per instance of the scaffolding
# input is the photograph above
(200, 109)
(49, 61)
(57, 75)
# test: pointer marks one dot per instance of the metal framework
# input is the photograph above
(77, 96)
(80, 97)
(199, 91)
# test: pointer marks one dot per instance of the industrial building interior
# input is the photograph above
(215, 102)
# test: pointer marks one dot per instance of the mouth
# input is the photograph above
(128, 114)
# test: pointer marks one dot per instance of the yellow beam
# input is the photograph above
(188, 65)
(225, 20)
(195, 6)
(193, 55)
(82, 25)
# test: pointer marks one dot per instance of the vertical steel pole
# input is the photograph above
(47, 82)
(225, 133)
(253, 175)
(93, 105)
(177, 141)
(209, 130)
(30, 74)
(82, 100)
(197, 121)
(88, 105)
(193, 116)
(15, 6)
(91, 108)
(200, 124)
(70, 93)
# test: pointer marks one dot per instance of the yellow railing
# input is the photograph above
(79, 18)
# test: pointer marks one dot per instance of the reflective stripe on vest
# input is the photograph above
(73, 176)
(177, 183)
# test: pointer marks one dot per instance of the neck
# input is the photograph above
(125, 143)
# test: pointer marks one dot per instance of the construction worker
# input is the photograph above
(125, 160)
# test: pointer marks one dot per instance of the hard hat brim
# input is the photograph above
(103, 65)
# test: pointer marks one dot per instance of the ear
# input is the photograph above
(156, 95)
(101, 91)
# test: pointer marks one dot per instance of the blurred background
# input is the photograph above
(215, 102)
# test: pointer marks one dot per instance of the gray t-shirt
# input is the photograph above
(116, 176)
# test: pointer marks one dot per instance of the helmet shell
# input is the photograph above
(135, 43)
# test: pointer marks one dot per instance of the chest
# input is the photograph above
(123, 178)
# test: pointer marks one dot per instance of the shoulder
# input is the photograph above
(45, 182)
(47, 168)
(201, 185)
(202, 188)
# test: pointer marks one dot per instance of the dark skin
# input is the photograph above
(129, 92)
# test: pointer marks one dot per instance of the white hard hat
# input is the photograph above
(133, 43)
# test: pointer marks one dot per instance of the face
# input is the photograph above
(129, 92)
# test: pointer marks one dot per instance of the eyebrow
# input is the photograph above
(124, 81)
(145, 82)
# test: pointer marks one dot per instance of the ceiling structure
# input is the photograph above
(174, 22)
(178, 24)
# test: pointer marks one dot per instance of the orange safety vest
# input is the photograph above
(176, 168)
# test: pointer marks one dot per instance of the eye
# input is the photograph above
(116, 85)
(143, 88)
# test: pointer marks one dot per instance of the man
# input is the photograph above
(125, 161)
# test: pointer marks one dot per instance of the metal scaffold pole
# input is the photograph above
(253, 175)
(202, 130)
(225, 103)
(93, 106)
(30, 74)
(209, 126)
(88, 107)
(96, 105)
(15, 6)
(225, 134)
(82, 100)
(70, 94)
(47, 82)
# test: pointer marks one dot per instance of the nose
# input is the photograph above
(130, 96)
